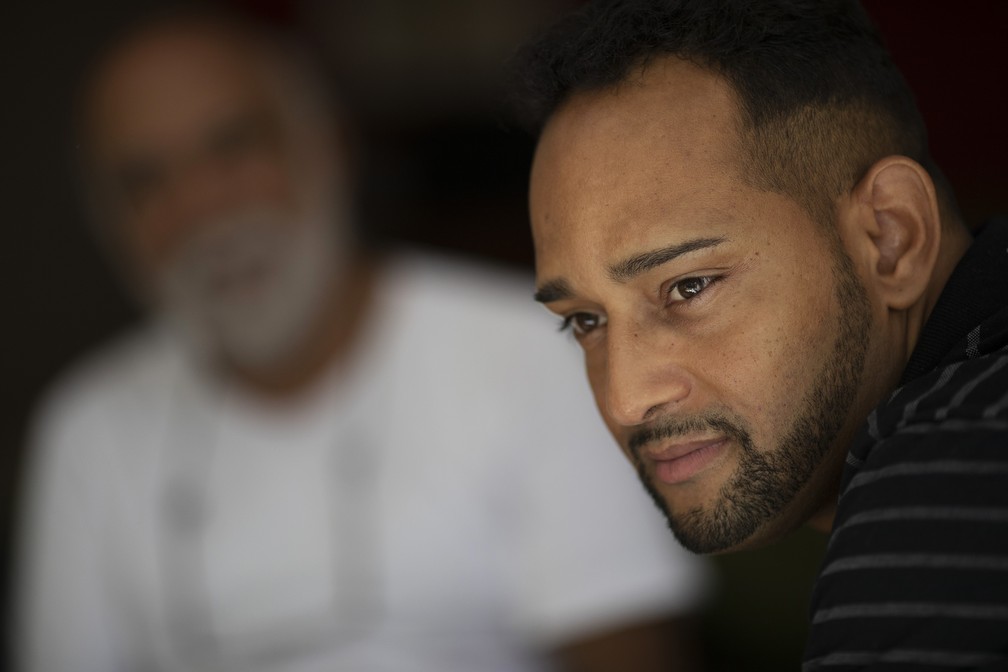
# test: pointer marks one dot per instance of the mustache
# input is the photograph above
(669, 427)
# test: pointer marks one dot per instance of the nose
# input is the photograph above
(644, 374)
(192, 194)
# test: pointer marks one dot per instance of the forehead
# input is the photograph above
(166, 87)
(661, 147)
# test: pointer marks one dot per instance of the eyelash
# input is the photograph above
(707, 281)
(567, 323)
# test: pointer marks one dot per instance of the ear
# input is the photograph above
(898, 226)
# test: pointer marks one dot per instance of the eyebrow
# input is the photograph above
(554, 290)
(633, 266)
(629, 268)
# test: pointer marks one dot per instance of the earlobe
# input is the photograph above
(898, 211)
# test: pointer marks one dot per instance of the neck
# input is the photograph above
(956, 239)
(822, 520)
(329, 343)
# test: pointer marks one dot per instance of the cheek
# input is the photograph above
(766, 364)
(146, 240)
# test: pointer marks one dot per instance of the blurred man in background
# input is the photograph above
(314, 457)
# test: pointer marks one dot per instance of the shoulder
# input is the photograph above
(920, 542)
(111, 384)
(478, 311)
(455, 283)
(940, 441)
(958, 410)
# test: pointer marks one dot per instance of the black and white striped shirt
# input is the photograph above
(916, 573)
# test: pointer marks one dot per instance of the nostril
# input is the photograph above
(653, 411)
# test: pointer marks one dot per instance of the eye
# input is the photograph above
(582, 324)
(689, 288)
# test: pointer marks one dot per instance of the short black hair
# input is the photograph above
(819, 98)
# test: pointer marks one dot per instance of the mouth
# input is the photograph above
(679, 462)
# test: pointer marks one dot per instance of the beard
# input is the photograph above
(250, 286)
(766, 481)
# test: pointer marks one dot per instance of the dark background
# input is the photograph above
(449, 175)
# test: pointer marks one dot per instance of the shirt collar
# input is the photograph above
(977, 288)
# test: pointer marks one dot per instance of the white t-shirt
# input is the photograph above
(448, 500)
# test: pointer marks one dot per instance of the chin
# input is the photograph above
(706, 534)
(723, 518)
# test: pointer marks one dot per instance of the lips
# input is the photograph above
(682, 461)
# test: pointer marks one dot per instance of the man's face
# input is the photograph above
(193, 164)
(182, 130)
(724, 333)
